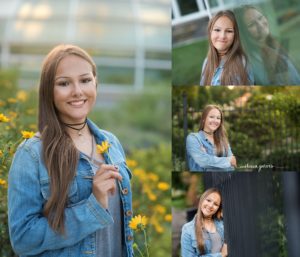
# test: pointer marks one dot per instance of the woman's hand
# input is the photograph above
(224, 251)
(104, 183)
(233, 161)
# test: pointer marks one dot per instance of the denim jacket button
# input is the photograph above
(125, 191)
(129, 238)
(128, 213)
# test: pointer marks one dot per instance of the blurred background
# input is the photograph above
(260, 210)
(189, 32)
(130, 41)
(262, 124)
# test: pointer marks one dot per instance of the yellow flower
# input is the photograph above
(163, 186)
(12, 100)
(22, 96)
(27, 134)
(152, 197)
(1, 153)
(2, 182)
(159, 229)
(103, 148)
(3, 118)
(153, 177)
(160, 208)
(168, 217)
(138, 222)
(13, 114)
(131, 163)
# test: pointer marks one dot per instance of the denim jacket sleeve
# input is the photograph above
(197, 153)
(29, 230)
(189, 246)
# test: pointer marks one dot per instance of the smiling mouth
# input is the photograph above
(77, 103)
(208, 210)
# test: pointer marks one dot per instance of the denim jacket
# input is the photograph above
(216, 79)
(201, 154)
(189, 245)
(29, 189)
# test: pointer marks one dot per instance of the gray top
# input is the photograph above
(109, 239)
(216, 240)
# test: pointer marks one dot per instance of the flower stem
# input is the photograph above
(139, 251)
(110, 161)
(145, 243)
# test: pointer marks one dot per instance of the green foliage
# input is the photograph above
(8, 82)
(273, 234)
(150, 199)
(187, 63)
(140, 121)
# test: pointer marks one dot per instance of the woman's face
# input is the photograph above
(74, 89)
(257, 25)
(213, 120)
(211, 205)
(222, 34)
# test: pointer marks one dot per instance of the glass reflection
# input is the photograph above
(270, 61)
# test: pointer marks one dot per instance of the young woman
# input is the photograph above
(226, 62)
(270, 61)
(64, 197)
(208, 149)
(204, 235)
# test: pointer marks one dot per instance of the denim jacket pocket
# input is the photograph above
(72, 194)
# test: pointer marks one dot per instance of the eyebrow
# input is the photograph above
(66, 77)
(215, 26)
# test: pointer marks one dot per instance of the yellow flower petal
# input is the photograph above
(12, 100)
(2, 182)
(160, 208)
(27, 134)
(3, 118)
(138, 222)
(163, 186)
(153, 177)
(168, 217)
(103, 148)
(131, 163)
(22, 96)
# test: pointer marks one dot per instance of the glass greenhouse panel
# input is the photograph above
(100, 34)
(104, 10)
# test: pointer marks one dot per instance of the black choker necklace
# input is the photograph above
(76, 124)
(208, 133)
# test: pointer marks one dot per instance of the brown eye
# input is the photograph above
(86, 80)
(63, 83)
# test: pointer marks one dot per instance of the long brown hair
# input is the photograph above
(236, 60)
(272, 52)
(199, 217)
(220, 135)
(59, 153)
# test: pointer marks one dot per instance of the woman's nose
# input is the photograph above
(259, 25)
(77, 90)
